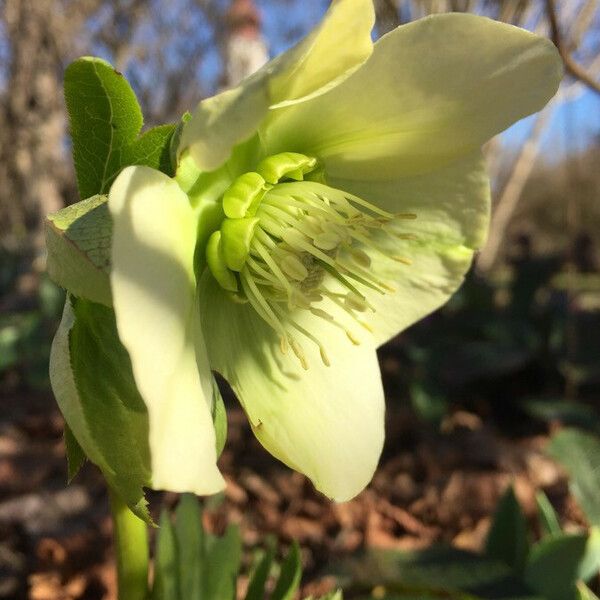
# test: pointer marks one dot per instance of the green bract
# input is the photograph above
(328, 202)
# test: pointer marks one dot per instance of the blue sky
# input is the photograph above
(575, 126)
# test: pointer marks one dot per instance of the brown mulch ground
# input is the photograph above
(432, 485)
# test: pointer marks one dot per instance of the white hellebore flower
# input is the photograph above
(327, 203)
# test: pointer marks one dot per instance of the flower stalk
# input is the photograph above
(131, 546)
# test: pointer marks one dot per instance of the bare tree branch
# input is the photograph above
(572, 67)
(388, 16)
(511, 194)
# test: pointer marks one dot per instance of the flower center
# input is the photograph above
(287, 243)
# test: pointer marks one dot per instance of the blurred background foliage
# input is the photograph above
(518, 346)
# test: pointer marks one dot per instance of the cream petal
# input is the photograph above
(451, 206)
(326, 422)
(339, 44)
(157, 318)
(431, 91)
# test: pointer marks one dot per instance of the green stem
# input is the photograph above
(131, 545)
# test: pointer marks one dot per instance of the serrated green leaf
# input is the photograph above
(507, 539)
(190, 543)
(93, 384)
(176, 137)
(152, 149)
(554, 564)
(166, 574)
(548, 519)
(78, 240)
(65, 390)
(579, 453)
(75, 454)
(116, 414)
(104, 118)
(256, 587)
(105, 121)
(223, 556)
(289, 577)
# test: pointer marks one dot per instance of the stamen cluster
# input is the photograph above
(288, 243)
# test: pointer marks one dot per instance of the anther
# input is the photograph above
(355, 302)
(283, 345)
(327, 240)
(291, 266)
(312, 225)
(311, 337)
(330, 319)
(365, 325)
(299, 353)
(299, 300)
(361, 258)
(296, 240)
(352, 337)
(324, 356)
(318, 312)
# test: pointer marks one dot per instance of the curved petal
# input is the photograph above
(157, 318)
(452, 208)
(332, 52)
(431, 91)
(326, 422)
(319, 62)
